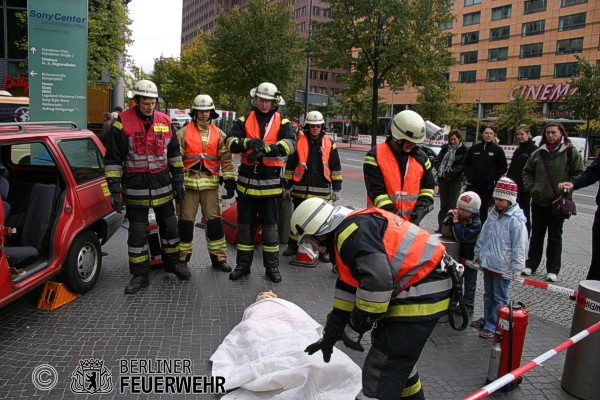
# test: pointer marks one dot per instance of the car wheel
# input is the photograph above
(83, 263)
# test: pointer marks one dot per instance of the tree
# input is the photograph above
(257, 44)
(108, 36)
(443, 105)
(516, 112)
(585, 102)
(397, 41)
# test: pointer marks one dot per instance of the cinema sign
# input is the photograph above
(550, 92)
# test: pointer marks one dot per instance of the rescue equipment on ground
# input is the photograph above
(508, 342)
(305, 257)
(55, 295)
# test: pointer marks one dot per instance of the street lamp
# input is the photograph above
(310, 13)
(479, 109)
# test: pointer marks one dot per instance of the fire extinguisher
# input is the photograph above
(508, 342)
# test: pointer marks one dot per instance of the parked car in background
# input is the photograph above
(56, 210)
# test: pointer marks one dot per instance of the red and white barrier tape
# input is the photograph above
(516, 373)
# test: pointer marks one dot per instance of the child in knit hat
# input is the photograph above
(500, 251)
(463, 225)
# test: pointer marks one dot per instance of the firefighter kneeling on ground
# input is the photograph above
(143, 165)
(314, 170)
(389, 280)
(204, 157)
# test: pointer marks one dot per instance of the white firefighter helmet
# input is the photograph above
(4, 93)
(144, 88)
(314, 118)
(410, 126)
(204, 102)
(315, 216)
(268, 91)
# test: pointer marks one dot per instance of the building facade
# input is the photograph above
(13, 47)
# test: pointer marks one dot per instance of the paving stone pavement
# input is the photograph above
(188, 320)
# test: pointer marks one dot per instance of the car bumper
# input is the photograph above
(110, 224)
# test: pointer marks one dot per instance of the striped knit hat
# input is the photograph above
(506, 189)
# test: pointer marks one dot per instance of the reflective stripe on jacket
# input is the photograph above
(402, 192)
(271, 130)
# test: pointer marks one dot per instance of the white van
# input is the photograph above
(577, 142)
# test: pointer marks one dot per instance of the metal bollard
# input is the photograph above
(582, 363)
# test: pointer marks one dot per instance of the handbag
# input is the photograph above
(562, 207)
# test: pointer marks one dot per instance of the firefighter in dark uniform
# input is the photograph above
(388, 274)
(314, 170)
(205, 156)
(143, 168)
(264, 140)
(398, 174)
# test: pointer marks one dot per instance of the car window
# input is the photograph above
(33, 154)
(84, 158)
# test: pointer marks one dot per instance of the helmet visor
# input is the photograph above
(336, 218)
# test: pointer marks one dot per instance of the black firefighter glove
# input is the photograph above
(331, 334)
(417, 215)
(116, 203)
(178, 191)
(360, 322)
(255, 145)
(272, 150)
(230, 186)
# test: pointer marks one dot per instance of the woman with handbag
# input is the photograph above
(555, 161)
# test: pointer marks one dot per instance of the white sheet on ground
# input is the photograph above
(264, 356)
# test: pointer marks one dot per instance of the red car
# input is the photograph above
(55, 206)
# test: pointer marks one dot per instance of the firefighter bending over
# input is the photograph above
(264, 140)
(388, 273)
(143, 168)
(398, 174)
(204, 157)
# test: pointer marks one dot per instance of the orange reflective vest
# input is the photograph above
(402, 192)
(271, 131)
(196, 152)
(410, 250)
(302, 151)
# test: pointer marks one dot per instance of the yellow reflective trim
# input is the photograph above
(417, 310)
(427, 164)
(288, 175)
(259, 192)
(242, 119)
(343, 235)
(371, 307)
(426, 192)
(177, 164)
(285, 121)
(112, 174)
(140, 259)
(161, 128)
(288, 151)
(336, 177)
(333, 146)
(186, 246)
(370, 160)
(245, 247)
(411, 390)
(382, 200)
(118, 125)
(169, 250)
(343, 305)
(271, 249)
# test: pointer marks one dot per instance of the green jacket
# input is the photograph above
(535, 180)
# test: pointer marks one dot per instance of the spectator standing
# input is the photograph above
(108, 120)
(588, 177)
(515, 171)
(463, 225)
(564, 163)
(450, 170)
(500, 251)
(263, 138)
(485, 163)
(314, 170)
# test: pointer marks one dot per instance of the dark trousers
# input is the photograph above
(470, 286)
(594, 272)
(137, 240)
(397, 346)
(449, 192)
(524, 201)
(253, 210)
(543, 220)
(293, 240)
(485, 194)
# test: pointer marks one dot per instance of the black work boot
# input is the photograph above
(239, 272)
(137, 283)
(290, 251)
(180, 270)
(324, 257)
(273, 274)
(222, 265)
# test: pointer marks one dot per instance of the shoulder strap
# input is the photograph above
(547, 169)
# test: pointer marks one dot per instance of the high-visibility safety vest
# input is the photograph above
(197, 153)
(411, 253)
(402, 192)
(271, 131)
(302, 151)
(149, 149)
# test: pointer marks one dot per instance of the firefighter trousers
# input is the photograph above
(389, 370)
(210, 206)
(251, 211)
(137, 240)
